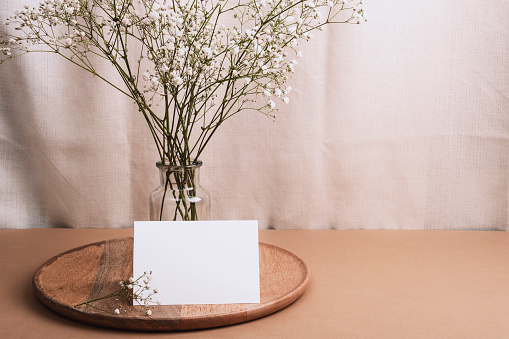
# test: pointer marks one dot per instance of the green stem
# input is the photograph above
(114, 294)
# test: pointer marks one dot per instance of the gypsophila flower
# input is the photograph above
(130, 290)
(310, 4)
(188, 65)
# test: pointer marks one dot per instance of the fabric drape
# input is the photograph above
(398, 123)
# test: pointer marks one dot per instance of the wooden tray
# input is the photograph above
(95, 270)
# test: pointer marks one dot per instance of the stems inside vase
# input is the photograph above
(180, 196)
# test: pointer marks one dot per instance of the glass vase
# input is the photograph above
(179, 196)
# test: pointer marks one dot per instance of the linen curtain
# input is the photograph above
(398, 123)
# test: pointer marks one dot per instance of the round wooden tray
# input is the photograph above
(94, 270)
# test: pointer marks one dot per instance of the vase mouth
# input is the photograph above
(196, 164)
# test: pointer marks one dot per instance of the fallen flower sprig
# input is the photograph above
(130, 290)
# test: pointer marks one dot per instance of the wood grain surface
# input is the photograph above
(94, 270)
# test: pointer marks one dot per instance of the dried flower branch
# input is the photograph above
(189, 65)
(132, 290)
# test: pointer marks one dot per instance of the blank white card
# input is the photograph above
(199, 262)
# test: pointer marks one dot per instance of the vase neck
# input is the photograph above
(179, 176)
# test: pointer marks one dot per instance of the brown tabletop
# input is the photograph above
(364, 284)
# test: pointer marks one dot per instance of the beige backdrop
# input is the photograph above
(398, 123)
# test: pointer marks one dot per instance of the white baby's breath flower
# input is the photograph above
(188, 59)
(148, 312)
(289, 19)
(117, 311)
(207, 52)
(176, 80)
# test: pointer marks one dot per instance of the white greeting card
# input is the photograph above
(199, 262)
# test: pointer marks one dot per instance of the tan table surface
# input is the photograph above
(364, 284)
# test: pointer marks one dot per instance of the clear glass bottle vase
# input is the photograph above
(179, 196)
